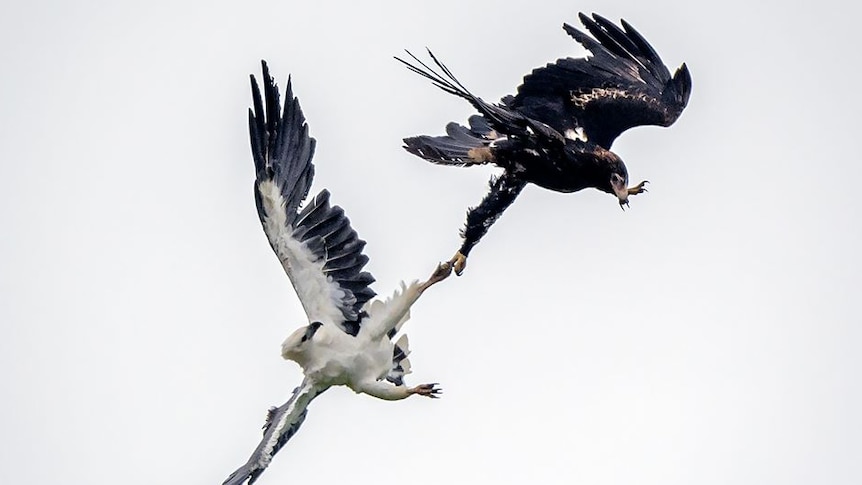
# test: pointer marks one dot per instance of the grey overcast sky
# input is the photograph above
(708, 335)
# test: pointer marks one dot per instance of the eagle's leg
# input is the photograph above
(442, 272)
(386, 391)
(504, 191)
(639, 188)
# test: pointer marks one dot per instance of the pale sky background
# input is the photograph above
(709, 335)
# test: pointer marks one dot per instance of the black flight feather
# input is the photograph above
(282, 151)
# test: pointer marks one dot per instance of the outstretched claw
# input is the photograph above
(639, 188)
(442, 272)
(427, 390)
(459, 262)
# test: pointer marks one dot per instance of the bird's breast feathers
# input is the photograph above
(336, 358)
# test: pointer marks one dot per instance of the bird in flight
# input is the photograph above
(350, 340)
(557, 130)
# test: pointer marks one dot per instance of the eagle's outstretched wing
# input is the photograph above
(318, 249)
(623, 84)
(281, 424)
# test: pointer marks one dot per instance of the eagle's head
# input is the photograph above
(296, 345)
(615, 176)
(619, 182)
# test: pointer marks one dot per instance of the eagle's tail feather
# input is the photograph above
(461, 146)
(400, 362)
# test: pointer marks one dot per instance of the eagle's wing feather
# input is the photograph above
(622, 85)
(320, 252)
(281, 424)
(498, 116)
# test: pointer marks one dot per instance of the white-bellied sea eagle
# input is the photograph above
(350, 340)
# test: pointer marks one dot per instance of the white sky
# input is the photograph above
(708, 335)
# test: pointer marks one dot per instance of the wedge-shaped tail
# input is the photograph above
(461, 146)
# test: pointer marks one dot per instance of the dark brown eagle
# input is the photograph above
(557, 131)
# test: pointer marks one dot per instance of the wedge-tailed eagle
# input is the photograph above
(557, 131)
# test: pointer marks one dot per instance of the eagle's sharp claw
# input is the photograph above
(639, 188)
(458, 262)
(427, 390)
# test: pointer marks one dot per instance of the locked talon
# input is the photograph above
(459, 263)
(442, 272)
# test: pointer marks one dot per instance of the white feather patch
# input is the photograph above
(576, 134)
(404, 344)
(582, 99)
(393, 313)
(321, 297)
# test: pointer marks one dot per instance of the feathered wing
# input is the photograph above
(499, 117)
(320, 252)
(623, 84)
(400, 362)
(281, 424)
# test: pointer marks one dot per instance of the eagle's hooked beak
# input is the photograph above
(310, 330)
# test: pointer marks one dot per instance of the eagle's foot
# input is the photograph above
(459, 262)
(442, 272)
(639, 188)
(427, 390)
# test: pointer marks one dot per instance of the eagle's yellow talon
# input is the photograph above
(639, 188)
(459, 262)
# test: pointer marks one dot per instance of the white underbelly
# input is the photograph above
(345, 362)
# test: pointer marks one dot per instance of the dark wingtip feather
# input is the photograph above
(597, 44)
(619, 37)
(682, 80)
(257, 127)
(257, 152)
(646, 49)
(591, 25)
(585, 40)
